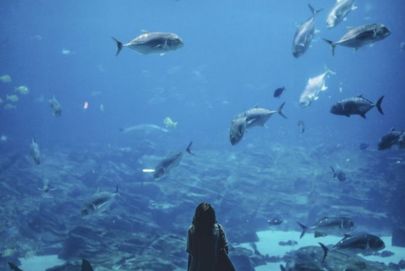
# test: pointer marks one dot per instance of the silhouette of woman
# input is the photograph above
(206, 242)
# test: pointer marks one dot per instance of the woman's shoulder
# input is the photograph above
(191, 229)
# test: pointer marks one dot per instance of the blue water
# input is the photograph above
(235, 54)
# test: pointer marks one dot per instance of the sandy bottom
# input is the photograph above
(268, 244)
(40, 263)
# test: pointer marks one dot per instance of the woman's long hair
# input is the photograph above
(204, 218)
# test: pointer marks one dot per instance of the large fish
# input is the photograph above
(35, 152)
(314, 87)
(304, 35)
(329, 225)
(238, 128)
(356, 106)
(169, 162)
(339, 12)
(394, 137)
(357, 243)
(258, 116)
(152, 42)
(99, 202)
(361, 36)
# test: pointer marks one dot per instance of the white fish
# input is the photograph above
(315, 85)
(339, 12)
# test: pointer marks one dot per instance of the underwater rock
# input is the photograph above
(398, 237)
(310, 259)
(241, 262)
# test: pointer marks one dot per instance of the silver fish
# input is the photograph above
(170, 162)
(329, 225)
(258, 116)
(356, 106)
(361, 36)
(304, 35)
(99, 202)
(237, 130)
(339, 12)
(357, 243)
(152, 42)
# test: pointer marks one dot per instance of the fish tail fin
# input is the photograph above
(280, 110)
(313, 10)
(332, 44)
(188, 149)
(378, 104)
(304, 229)
(86, 266)
(328, 70)
(119, 46)
(325, 251)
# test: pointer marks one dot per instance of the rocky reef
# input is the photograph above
(145, 227)
(310, 259)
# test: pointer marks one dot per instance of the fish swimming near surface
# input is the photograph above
(99, 202)
(238, 128)
(394, 137)
(329, 226)
(361, 36)
(301, 126)
(314, 87)
(339, 12)
(147, 128)
(35, 152)
(164, 166)
(356, 243)
(356, 106)
(55, 106)
(338, 174)
(277, 93)
(152, 42)
(304, 35)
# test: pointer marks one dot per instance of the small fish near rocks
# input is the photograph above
(338, 174)
(356, 106)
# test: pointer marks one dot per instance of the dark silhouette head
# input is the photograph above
(204, 218)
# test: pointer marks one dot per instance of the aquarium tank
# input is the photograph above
(169, 135)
